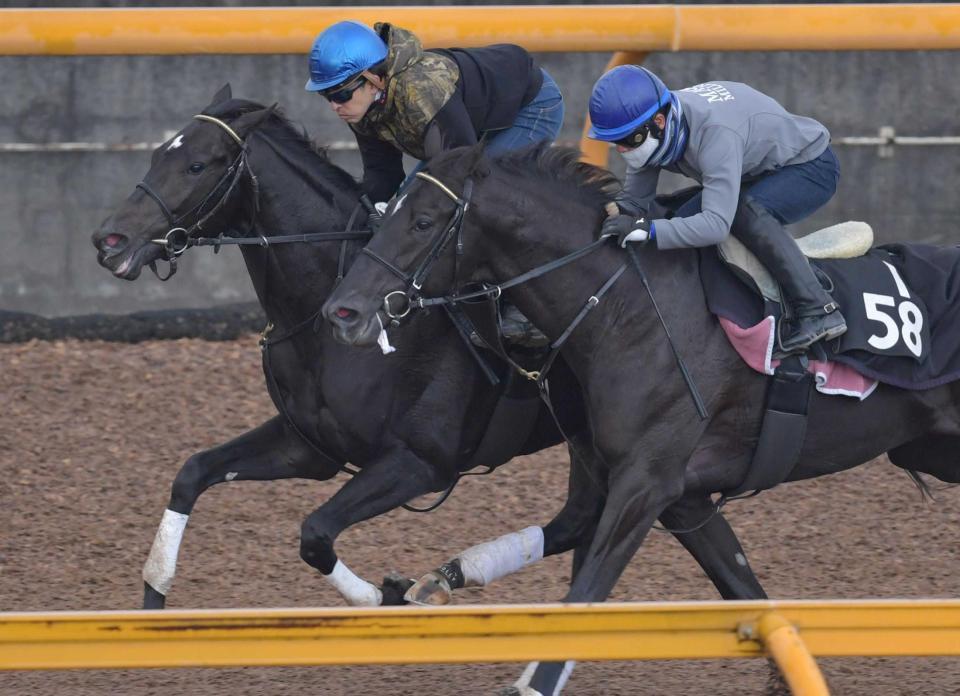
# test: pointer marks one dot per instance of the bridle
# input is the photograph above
(454, 228)
(414, 280)
(178, 238)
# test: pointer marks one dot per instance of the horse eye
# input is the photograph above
(424, 223)
(196, 167)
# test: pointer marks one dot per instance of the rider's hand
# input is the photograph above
(626, 228)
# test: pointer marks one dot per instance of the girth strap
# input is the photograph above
(783, 429)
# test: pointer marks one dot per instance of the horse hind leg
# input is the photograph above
(937, 455)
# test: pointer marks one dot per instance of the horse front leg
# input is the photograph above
(380, 486)
(483, 563)
(713, 545)
(637, 496)
(269, 452)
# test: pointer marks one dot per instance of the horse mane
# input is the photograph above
(542, 162)
(562, 165)
(281, 130)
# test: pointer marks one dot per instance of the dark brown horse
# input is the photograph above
(410, 423)
(481, 220)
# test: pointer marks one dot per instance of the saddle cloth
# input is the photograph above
(901, 303)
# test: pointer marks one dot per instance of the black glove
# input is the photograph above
(626, 228)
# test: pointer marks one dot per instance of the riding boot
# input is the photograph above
(516, 329)
(814, 315)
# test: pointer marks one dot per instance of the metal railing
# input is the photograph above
(812, 27)
(789, 631)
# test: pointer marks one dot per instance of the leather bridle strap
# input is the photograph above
(496, 290)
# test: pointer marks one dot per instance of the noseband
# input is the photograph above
(177, 239)
(414, 281)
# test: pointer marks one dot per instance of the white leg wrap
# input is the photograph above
(484, 563)
(523, 683)
(357, 591)
(161, 564)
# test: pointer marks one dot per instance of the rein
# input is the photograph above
(179, 238)
(453, 228)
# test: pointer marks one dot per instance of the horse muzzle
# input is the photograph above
(352, 326)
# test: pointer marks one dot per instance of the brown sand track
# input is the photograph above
(93, 433)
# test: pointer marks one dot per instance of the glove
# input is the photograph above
(626, 228)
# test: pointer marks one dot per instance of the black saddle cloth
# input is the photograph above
(901, 303)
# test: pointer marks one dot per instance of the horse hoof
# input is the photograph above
(152, 599)
(393, 588)
(508, 691)
(430, 590)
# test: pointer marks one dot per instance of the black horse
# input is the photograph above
(527, 209)
(411, 423)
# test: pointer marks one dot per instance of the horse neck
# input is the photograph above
(292, 279)
(560, 227)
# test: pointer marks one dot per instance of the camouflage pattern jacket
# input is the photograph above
(437, 100)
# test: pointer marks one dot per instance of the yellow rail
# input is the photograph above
(478, 634)
(539, 28)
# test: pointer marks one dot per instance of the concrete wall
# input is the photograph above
(51, 202)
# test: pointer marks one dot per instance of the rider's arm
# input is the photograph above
(450, 128)
(382, 167)
(640, 188)
(721, 164)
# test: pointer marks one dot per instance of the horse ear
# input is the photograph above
(251, 120)
(222, 95)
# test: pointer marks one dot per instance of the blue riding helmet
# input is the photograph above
(341, 51)
(623, 99)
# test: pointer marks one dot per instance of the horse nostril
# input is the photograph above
(344, 313)
(112, 242)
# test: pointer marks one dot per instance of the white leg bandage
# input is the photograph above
(484, 563)
(357, 591)
(523, 683)
(161, 564)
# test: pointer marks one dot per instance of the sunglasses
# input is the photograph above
(635, 139)
(341, 95)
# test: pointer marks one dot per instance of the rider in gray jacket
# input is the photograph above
(760, 166)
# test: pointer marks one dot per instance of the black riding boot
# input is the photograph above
(814, 314)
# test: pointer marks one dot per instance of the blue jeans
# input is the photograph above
(790, 193)
(539, 120)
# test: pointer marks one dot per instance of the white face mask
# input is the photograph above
(638, 157)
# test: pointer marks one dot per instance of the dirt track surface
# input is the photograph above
(92, 435)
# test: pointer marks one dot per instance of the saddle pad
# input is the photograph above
(901, 301)
(755, 346)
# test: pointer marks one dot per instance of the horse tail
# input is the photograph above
(926, 493)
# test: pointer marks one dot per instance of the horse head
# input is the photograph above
(467, 220)
(193, 177)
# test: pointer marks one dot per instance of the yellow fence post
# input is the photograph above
(791, 655)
